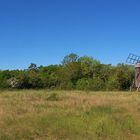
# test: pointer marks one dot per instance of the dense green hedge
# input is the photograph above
(82, 73)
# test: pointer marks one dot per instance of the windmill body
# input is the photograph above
(135, 60)
(137, 75)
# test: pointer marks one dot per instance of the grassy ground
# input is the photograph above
(69, 115)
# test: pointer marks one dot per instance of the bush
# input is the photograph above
(97, 84)
(112, 84)
(82, 84)
(90, 84)
(13, 82)
(68, 85)
(53, 97)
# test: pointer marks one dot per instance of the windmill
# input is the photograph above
(135, 60)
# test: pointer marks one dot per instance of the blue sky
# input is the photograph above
(44, 31)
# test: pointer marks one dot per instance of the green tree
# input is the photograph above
(69, 74)
(88, 65)
(50, 76)
(32, 66)
(70, 58)
(124, 75)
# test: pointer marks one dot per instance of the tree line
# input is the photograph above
(80, 73)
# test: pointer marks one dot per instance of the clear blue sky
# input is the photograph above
(44, 31)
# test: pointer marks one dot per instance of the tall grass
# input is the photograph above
(69, 115)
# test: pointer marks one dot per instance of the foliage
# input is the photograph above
(13, 82)
(82, 73)
(82, 84)
(88, 65)
(70, 58)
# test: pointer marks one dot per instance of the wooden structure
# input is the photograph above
(137, 76)
(135, 60)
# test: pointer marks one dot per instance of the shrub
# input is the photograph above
(82, 84)
(90, 84)
(53, 97)
(13, 82)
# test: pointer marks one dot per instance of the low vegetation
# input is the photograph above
(69, 115)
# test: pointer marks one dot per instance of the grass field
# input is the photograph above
(69, 115)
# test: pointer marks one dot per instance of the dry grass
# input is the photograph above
(69, 115)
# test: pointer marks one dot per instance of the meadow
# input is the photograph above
(69, 115)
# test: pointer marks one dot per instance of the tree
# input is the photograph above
(88, 65)
(124, 75)
(23, 80)
(32, 66)
(86, 60)
(85, 73)
(70, 58)
(50, 76)
(4, 76)
(70, 73)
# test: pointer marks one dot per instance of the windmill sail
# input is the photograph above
(133, 59)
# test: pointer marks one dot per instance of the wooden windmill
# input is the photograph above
(135, 60)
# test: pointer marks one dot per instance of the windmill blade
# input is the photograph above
(133, 59)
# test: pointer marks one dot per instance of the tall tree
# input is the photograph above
(70, 58)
